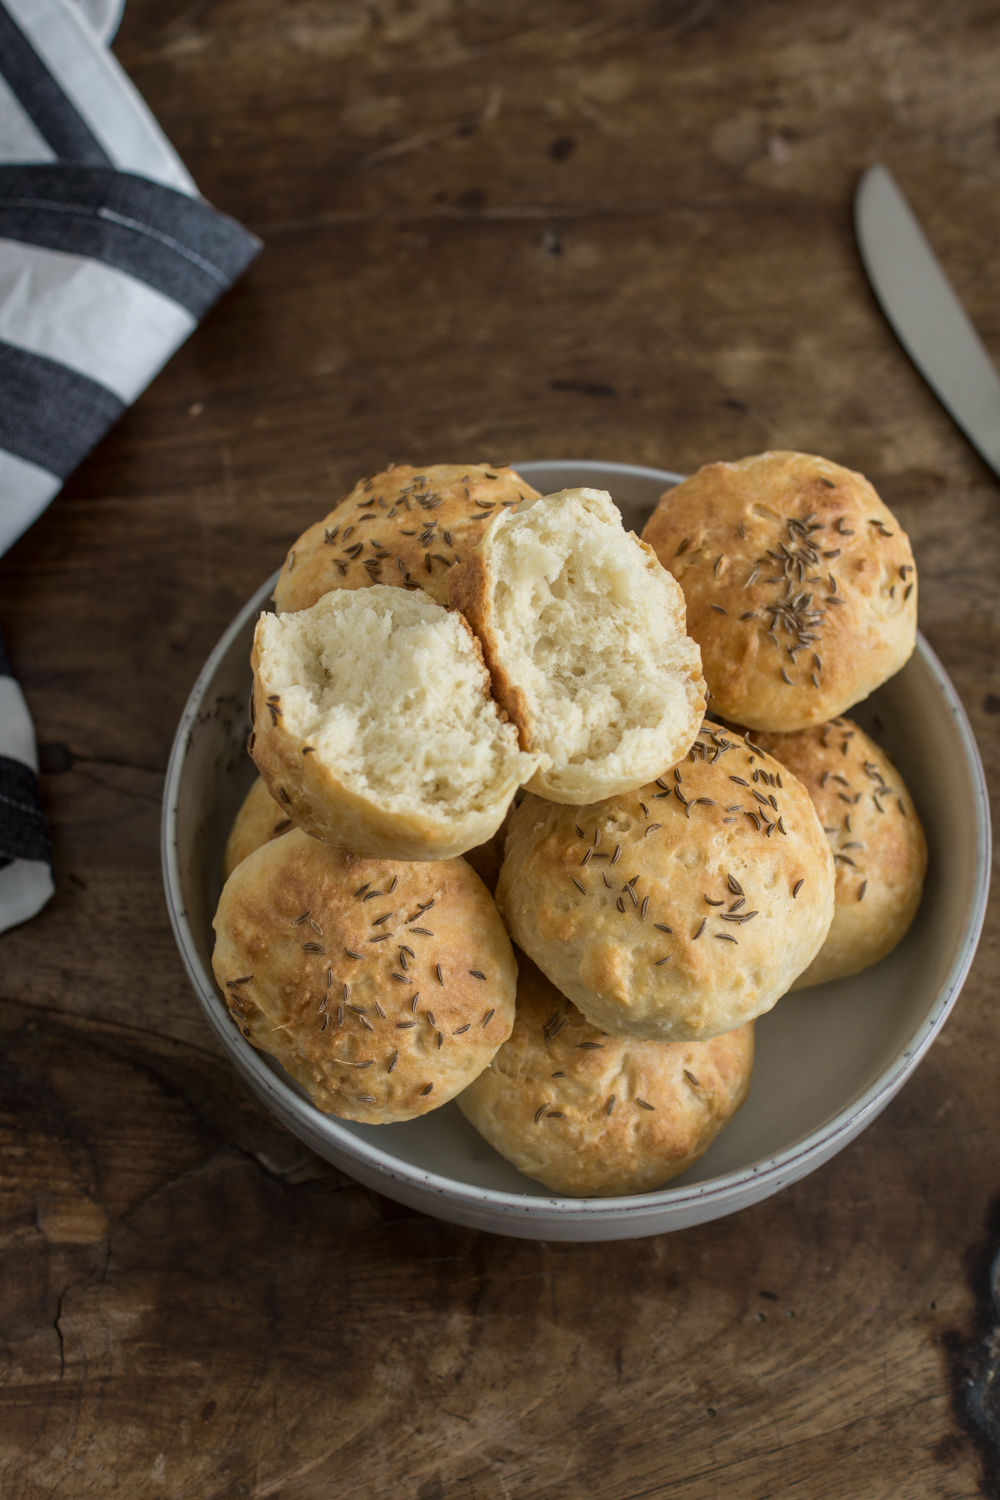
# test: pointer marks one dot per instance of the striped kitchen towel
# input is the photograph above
(25, 868)
(104, 16)
(108, 260)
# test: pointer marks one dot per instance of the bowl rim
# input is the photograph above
(759, 1176)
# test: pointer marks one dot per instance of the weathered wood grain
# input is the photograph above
(566, 228)
(184, 1314)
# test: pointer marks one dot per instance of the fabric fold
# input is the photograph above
(109, 258)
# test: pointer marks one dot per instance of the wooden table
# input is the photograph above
(607, 228)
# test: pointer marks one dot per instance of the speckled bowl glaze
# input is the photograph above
(828, 1059)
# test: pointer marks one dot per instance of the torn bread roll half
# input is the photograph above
(877, 841)
(382, 988)
(584, 634)
(680, 911)
(593, 1115)
(374, 725)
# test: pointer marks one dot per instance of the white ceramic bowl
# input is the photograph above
(828, 1059)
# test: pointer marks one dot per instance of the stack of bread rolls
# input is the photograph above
(478, 715)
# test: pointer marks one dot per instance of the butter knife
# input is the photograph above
(929, 320)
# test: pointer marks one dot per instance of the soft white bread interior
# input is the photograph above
(584, 634)
(375, 727)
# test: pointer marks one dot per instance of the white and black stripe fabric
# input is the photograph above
(25, 858)
(104, 16)
(108, 259)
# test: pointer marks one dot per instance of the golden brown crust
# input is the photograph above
(470, 593)
(259, 819)
(427, 520)
(593, 1115)
(877, 841)
(382, 988)
(800, 585)
(487, 859)
(680, 911)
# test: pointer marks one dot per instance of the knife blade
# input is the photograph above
(926, 314)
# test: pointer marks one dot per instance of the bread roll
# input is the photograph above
(800, 586)
(259, 819)
(680, 911)
(583, 633)
(375, 728)
(487, 859)
(593, 1115)
(406, 527)
(381, 988)
(877, 841)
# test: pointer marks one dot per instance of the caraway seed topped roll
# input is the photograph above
(405, 527)
(382, 988)
(877, 841)
(679, 911)
(593, 1115)
(800, 585)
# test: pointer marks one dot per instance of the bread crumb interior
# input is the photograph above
(589, 629)
(391, 691)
